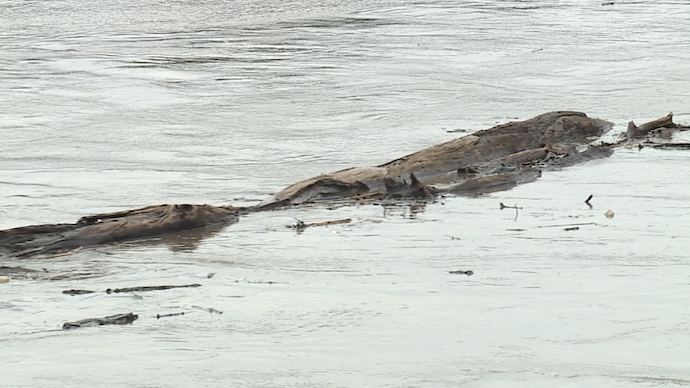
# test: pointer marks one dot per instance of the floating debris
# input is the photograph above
(566, 225)
(256, 282)
(589, 199)
(609, 214)
(129, 289)
(148, 288)
(511, 207)
(460, 272)
(159, 316)
(208, 309)
(301, 225)
(78, 292)
(572, 228)
(119, 319)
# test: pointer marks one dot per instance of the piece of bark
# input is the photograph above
(77, 292)
(461, 272)
(300, 225)
(148, 288)
(119, 319)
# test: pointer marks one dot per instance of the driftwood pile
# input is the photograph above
(486, 161)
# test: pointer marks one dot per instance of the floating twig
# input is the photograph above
(78, 292)
(129, 289)
(256, 282)
(511, 207)
(461, 272)
(208, 309)
(148, 288)
(301, 225)
(572, 228)
(589, 199)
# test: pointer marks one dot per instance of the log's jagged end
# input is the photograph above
(634, 132)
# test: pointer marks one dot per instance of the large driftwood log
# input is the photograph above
(112, 227)
(486, 161)
(503, 151)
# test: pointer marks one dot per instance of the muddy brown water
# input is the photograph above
(107, 106)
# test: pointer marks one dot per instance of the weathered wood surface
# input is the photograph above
(131, 289)
(486, 161)
(119, 319)
(492, 159)
(112, 227)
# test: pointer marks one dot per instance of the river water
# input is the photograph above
(112, 105)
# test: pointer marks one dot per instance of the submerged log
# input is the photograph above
(299, 226)
(508, 148)
(130, 289)
(486, 161)
(112, 227)
(119, 319)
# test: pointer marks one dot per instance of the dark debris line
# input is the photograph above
(129, 289)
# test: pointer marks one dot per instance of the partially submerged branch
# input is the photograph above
(461, 272)
(300, 225)
(130, 289)
(635, 132)
(119, 319)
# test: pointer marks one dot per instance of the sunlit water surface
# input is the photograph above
(108, 106)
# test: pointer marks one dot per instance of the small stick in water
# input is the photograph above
(301, 225)
(589, 199)
(147, 288)
(461, 272)
(77, 292)
(209, 309)
(129, 289)
(512, 207)
(159, 316)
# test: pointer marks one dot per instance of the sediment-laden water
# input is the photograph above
(108, 106)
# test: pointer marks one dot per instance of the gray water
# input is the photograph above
(112, 105)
